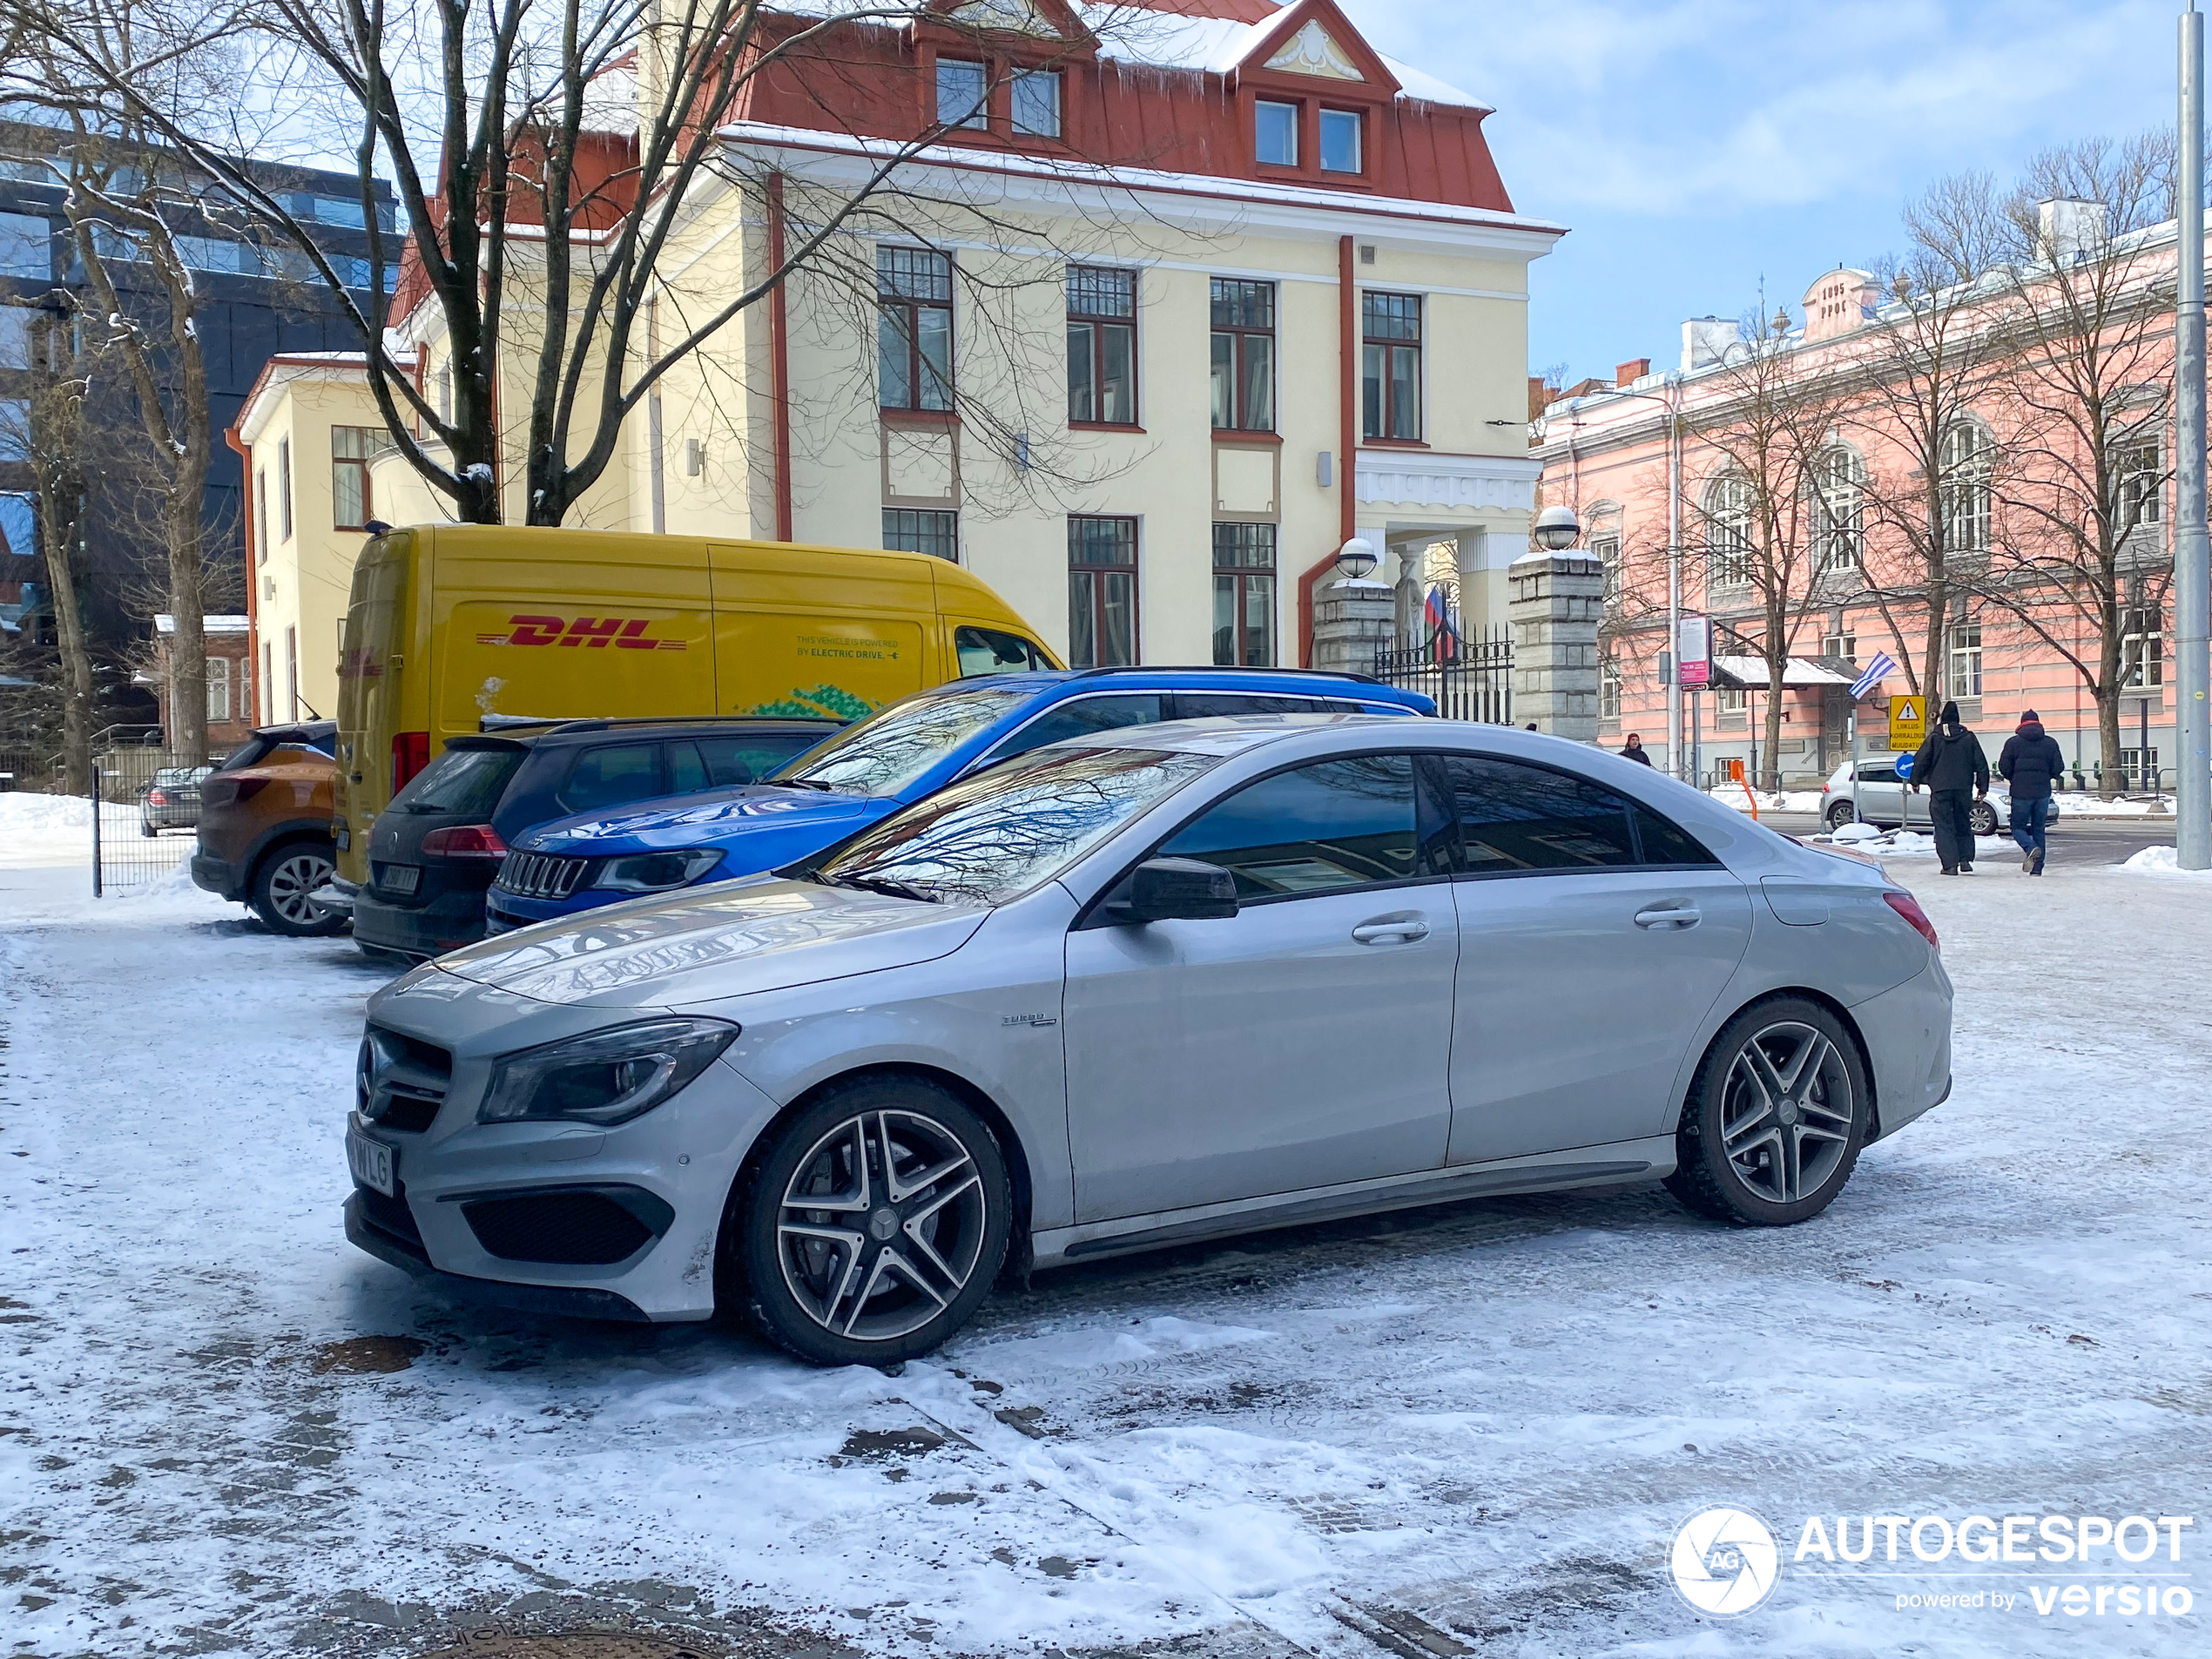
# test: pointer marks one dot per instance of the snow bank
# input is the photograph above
(33, 814)
(1790, 800)
(2163, 860)
(2076, 804)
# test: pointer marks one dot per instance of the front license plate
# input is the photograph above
(401, 878)
(371, 1162)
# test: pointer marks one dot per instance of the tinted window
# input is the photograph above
(460, 780)
(1514, 817)
(1885, 773)
(1209, 705)
(612, 775)
(1322, 828)
(1666, 843)
(988, 651)
(747, 760)
(1082, 718)
(686, 772)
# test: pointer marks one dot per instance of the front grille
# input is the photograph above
(391, 1214)
(400, 1081)
(572, 1229)
(542, 875)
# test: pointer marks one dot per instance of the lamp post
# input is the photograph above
(2192, 550)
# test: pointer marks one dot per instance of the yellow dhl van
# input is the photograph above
(449, 623)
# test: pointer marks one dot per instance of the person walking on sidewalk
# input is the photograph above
(2032, 763)
(1952, 769)
(1634, 749)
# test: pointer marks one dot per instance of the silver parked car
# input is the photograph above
(1146, 986)
(1877, 795)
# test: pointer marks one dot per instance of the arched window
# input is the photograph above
(1966, 456)
(1839, 528)
(1728, 531)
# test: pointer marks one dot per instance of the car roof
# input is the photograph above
(1231, 734)
(1308, 682)
(530, 735)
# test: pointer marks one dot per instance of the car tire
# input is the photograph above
(1984, 819)
(880, 1271)
(1766, 1139)
(285, 875)
(1841, 813)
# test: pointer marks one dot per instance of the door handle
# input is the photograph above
(1672, 918)
(1391, 930)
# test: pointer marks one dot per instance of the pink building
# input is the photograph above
(1656, 462)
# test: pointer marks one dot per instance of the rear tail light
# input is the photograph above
(222, 792)
(465, 841)
(1909, 907)
(155, 798)
(410, 754)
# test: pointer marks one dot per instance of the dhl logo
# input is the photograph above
(626, 632)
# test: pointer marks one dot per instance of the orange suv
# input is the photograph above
(265, 827)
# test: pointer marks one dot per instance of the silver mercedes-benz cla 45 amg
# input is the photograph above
(1149, 987)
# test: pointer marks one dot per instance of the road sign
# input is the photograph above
(1908, 721)
(1694, 652)
(1904, 766)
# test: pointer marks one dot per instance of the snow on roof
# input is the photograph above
(1218, 45)
(165, 624)
(1751, 672)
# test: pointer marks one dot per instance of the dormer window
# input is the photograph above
(1340, 141)
(963, 93)
(1276, 134)
(1036, 103)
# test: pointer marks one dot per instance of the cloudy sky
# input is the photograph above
(1695, 145)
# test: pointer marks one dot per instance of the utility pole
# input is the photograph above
(2192, 552)
(1672, 656)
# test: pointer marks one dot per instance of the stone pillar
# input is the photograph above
(1352, 622)
(1557, 601)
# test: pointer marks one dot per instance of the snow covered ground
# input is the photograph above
(1469, 1429)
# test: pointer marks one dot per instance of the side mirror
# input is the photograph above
(1176, 890)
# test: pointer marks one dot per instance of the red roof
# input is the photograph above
(1234, 10)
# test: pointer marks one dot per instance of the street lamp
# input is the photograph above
(1556, 529)
(1356, 558)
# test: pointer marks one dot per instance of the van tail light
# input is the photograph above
(1909, 907)
(465, 841)
(410, 754)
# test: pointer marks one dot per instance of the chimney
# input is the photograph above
(1703, 340)
(1635, 369)
(2071, 227)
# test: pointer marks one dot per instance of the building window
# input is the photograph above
(2132, 764)
(15, 429)
(291, 670)
(1036, 103)
(912, 530)
(1841, 528)
(269, 687)
(1102, 346)
(1276, 134)
(219, 688)
(1243, 355)
(963, 94)
(17, 323)
(2142, 649)
(1243, 596)
(1728, 532)
(1966, 488)
(1390, 328)
(283, 489)
(1845, 646)
(261, 516)
(1966, 659)
(2140, 474)
(352, 448)
(1608, 692)
(1102, 592)
(914, 331)
(1732, 700)
(26, 247)
(1339, 141)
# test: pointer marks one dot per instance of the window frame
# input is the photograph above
(1097, 323)
(1967, 464)
(2141, 648)
(283, 488)
(1021, 78)
(1380, 363)
(2140, 483)
(1297, 110)
(260, 515)
(1242, 575)
(1962, 658)
(1093, 575)
(218, 679)
(371, 435)
(979, 119)
(947, 521)
(1609, 690)
(1359, 119)
(1240, 336)
(1839, 485)
(903, 313)
(1728, 531)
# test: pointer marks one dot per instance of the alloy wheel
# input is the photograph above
(881, 1226)
(292, 881)
(1786, 1113)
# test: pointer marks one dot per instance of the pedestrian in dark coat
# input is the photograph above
(1952, 769)
(2032, 763)
(1633, 749)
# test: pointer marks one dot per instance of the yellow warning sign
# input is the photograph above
(1908, 723)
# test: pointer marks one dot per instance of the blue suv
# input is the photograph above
(872, 768)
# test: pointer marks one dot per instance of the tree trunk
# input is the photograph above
(2115, 777)
(1771, 773)
(187, 733)
(76, 657)
(1938, 609)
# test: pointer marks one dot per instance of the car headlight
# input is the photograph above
(608, 1077)
(656, 872)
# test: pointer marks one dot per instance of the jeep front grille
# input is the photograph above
(542, 875)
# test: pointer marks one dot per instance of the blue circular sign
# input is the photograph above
(1904, 767)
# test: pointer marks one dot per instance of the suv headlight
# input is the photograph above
(656, 872)
(608, 1077)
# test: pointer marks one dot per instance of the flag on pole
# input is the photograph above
(1443, 627)
(1877, 672)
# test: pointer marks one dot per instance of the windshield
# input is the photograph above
(1002, 832)
(886, 751)
(460, 780)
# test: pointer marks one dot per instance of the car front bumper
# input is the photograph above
(366, 1231)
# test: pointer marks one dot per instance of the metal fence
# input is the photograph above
(1469, 677)
(148, 812)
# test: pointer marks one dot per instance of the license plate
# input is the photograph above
(403, 877)
(344, 837)
(371, 1160)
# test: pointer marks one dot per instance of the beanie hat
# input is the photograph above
(2030, 715)
(1950, 714)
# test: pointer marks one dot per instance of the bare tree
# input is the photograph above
(2082, 411)
(545, 154)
